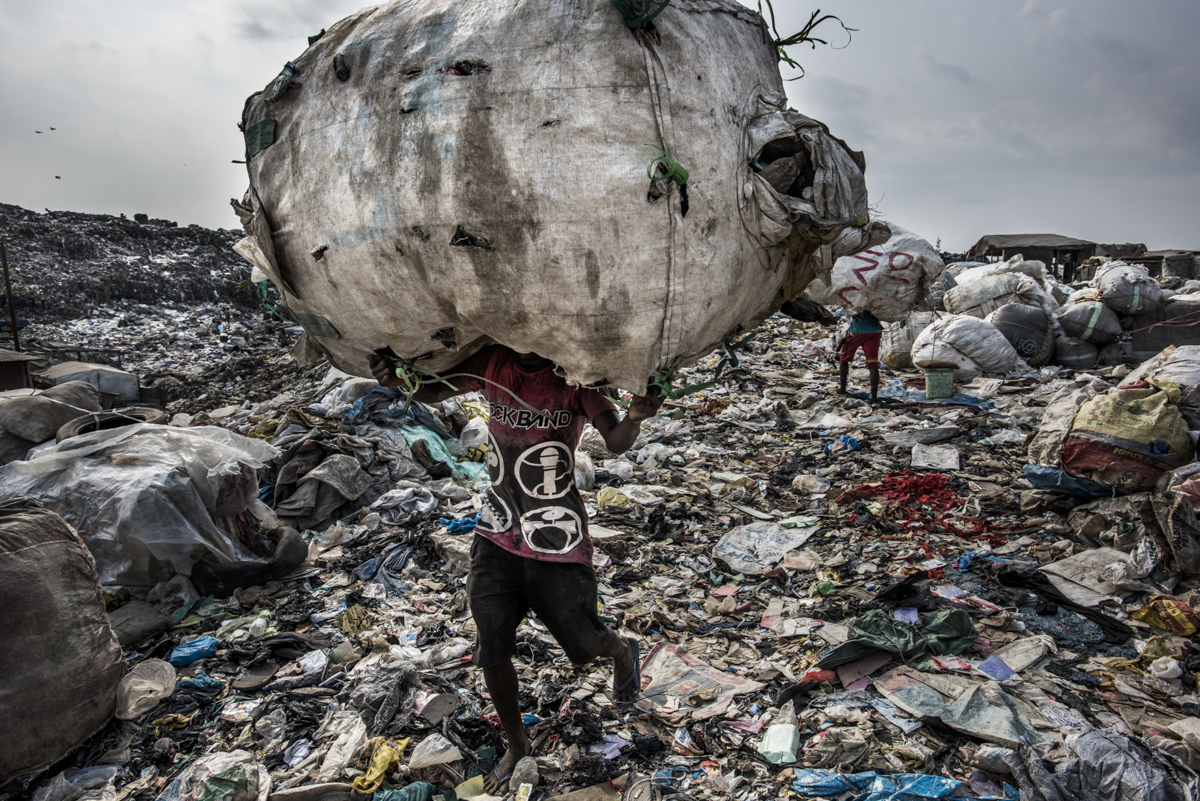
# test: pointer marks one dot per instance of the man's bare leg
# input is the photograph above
(616, 648)
(843, 376)
(505, 690)
(874, 370)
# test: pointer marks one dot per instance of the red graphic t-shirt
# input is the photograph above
(532, 508)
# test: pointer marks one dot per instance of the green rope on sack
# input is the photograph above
(267, 302)
(663, 381)
(671, 169)
(636, 13)
(412, 378)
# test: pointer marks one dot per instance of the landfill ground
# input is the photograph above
(882, 575)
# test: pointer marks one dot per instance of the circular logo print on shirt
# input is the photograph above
(546, 471)
(495, 462)
(551, 529)
(495, 517)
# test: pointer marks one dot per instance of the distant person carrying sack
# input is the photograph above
(865, 332)
(531, 549)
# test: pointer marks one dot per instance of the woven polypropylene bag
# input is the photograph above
(481, 175)
(60, 662)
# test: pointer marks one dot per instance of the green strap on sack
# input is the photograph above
(1087, 332)
(275, 310)
(729, 360)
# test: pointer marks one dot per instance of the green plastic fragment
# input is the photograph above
(259, 136)
(317, 326)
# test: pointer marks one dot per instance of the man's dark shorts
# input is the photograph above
(502, 587)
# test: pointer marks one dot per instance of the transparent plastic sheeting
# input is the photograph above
(149, 500)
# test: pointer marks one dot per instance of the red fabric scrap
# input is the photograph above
(925, 498)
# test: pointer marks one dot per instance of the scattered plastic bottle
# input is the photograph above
(259, 626)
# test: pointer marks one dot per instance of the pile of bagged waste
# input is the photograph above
(1122, 316)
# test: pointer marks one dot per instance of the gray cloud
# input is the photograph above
(949, 69)
(254, 30)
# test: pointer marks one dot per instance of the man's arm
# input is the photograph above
(620, 433)
(384, 370)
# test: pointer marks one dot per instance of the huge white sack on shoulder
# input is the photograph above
(985, 349)
(479, 172)
(889, 280)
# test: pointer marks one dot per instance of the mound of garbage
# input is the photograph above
(831, 596)
(65, 263)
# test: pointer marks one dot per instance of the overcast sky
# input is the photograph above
(1077, 117)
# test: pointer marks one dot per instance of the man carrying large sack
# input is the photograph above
(532, 550)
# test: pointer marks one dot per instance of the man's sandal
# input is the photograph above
(500, 782)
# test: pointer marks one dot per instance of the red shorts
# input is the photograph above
(869, 344)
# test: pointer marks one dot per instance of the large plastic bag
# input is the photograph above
(1018, 265)
(482, 174)
(13, 448)
(1046, 446)
(975, 345)
(896, 347)
(1074, 354)
(149, 500)
(1127, 438)
(981, 298)
(1173, 324)
(37, 418)
(142, 688)
(60, 662)
(1181, 367)
(888, 280)
(1028, 329)
(1103, 765)
(1090, 321)
(1129, 290)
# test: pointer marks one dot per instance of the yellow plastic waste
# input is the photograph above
(475, 409)
(384, 758)
(611, 496)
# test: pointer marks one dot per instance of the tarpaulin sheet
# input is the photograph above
(941, 632)
(980, 709)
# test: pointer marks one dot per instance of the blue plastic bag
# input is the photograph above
(820, 783)
(201, 683)
(462, 524)
(843, 443)
(194, 651)
(911, 787)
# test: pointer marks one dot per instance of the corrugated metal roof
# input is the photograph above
(13, 356)
(1007, 241)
